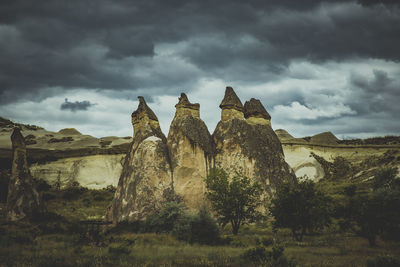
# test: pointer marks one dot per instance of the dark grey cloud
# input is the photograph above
(106, 44)
(75, 106)
(375, 93)
(121, 49)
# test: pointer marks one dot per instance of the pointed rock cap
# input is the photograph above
(143, 110)
(17, 140)
(184, 103)
(231, 100)
(254, 108)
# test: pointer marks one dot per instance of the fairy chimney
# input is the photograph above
(232, 107)
(146, 175)
(191, 152)
(255, 113)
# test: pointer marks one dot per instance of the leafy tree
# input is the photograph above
(376, 213)
(300, 207)
(234, 200)
(385, 178)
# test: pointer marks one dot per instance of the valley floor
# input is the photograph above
(56, 241)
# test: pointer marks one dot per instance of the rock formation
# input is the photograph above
(249, 146)
(326, 138)
(231, 106)
(255, 113)
(191, 152)
(23, 200)
(155, 167)
(146, 174)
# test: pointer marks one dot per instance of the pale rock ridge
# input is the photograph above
(146, 175)
(251, 148)
(23, 201)
(191, 152)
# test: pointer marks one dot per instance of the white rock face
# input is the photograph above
(303, 164)
(94, 172)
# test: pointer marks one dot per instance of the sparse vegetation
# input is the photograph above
(235, 200)
(58, 238)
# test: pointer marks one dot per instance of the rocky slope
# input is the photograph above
(309, 156)
(67, 156)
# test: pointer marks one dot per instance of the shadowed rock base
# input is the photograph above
(23, 200)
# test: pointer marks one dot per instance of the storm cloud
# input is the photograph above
(75, 106)
(312, 63)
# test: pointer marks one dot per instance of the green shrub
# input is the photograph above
(74, 192)
(204, 229)
(301, 207)
(267, 241)
(257, 254)
(175, 219)
(383, 260)
(164, 220)
(42, 185)
(385, 178)
(274, 258)
(118, 250)
(128, 227)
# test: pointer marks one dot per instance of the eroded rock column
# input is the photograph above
(249, 146)
(146, 175)
(23, 201)
(191, 151)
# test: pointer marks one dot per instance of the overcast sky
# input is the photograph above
(315, 65)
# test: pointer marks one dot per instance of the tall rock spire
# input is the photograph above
(191, 151)
(250, 146)
(185, 108)
(232, 107)
(144, 120)
(255, 113)
(146, 174)
(23, 201)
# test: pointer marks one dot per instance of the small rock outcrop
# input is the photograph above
(146, 175)
(255, 113)
(231, 106)
(249, 146)
(191, 152)
(23, 201)
(325, 138)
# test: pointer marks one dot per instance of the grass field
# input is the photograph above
(63, 241)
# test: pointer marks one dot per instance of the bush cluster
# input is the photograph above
(174, 218)
(276, 258)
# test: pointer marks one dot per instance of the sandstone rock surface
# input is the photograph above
(191, 152)
(250, 147)
(23, 201)
(93, 172)
(146, 175)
